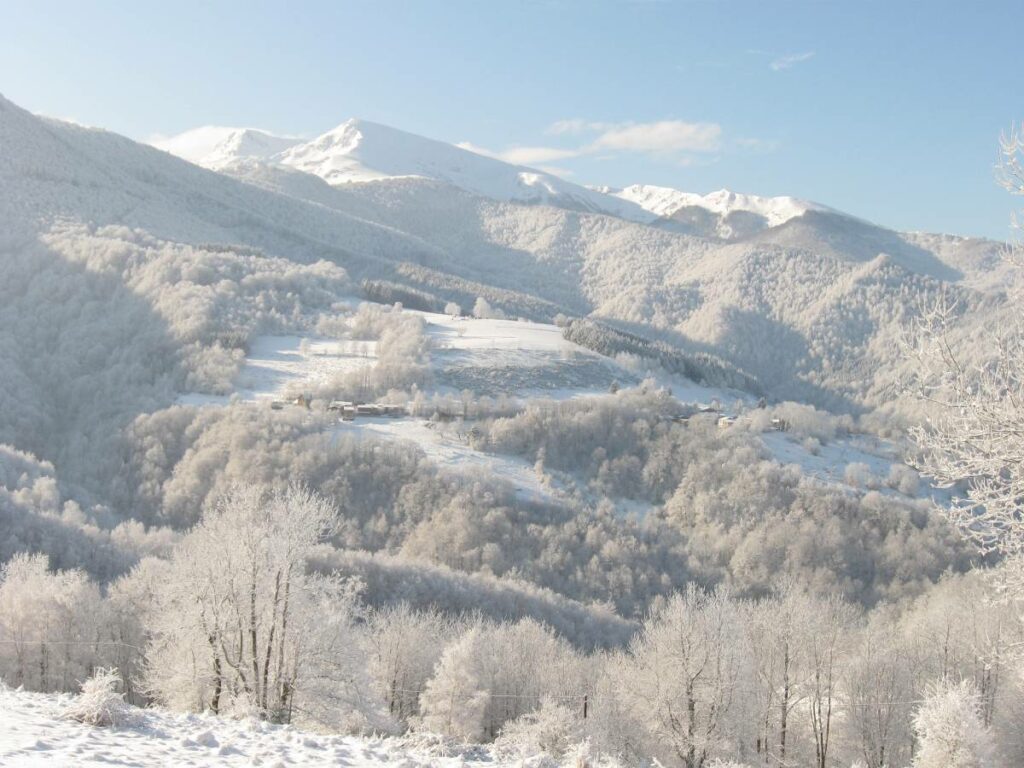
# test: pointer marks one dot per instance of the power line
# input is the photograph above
(91, 643)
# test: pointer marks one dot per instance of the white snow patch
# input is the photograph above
(445, 446)
(830, 461)
(279, 363)
(34, 734)
(472, 333)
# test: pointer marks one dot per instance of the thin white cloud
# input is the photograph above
(573, 127)
(661, 136)
(555, 170)
(658, 136)
(534, 155)
(790, 60)
(758, 145)
(537, 156)
(677, 139)
(477, 149)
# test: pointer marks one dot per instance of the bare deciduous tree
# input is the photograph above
(239, 622)
(975, 433)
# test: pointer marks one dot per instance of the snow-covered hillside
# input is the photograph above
(34, 732)
(778, 304)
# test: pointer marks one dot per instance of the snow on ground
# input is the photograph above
(276, 364)
(524, 360)
(34, 733)
(449, 332)
(516, 358)
(488, 356)
(830, 461)
(448, 449)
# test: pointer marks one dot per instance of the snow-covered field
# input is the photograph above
(275, 363)
(830, 462)
(279, 364)
(514, 357)
(34, 732)
(447, 448)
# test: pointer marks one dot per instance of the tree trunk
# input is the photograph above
(253, 644)
(270, 638)
(215, 701)
(691, 726)
(283, 693)
(784, 707)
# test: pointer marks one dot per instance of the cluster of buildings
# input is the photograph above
(349, 410)
(345, 409)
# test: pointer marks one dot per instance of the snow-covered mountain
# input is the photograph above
(666, 201)
(722, 214)
(216, 147)
(360, 151)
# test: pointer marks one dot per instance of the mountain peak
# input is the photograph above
(215, 146)
(667, 202)
(358, 150)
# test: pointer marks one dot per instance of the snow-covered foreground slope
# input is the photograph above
(33, 732)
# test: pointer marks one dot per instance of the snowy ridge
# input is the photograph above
(665, 201)
(216, 147)
(360, 151)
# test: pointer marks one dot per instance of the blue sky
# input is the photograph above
(888, 110)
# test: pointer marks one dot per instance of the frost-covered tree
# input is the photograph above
(949, 730)
(975, 434)
(797, 646)
(775, 633)
(828, 649)
(50, 624)
(681, 674)
(101, 702)
(454, 701)
(879, 689)
(239, 623)
(405, 647)
(553, 729)
(482, 309)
